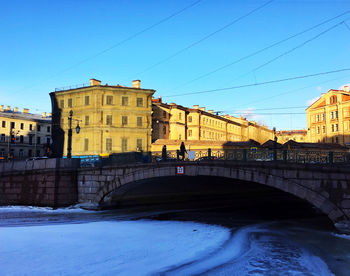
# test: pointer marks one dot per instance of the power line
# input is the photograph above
(265, 48)
(297, 47)
(271, 108)
(261, 83)
(118, 43)
(279, 113)
(205, 37)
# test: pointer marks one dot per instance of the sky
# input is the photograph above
(180, 49)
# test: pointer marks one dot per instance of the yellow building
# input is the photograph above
(284, 136)
(328, 118)
(23, 134)
(175, 122)
(112, 119)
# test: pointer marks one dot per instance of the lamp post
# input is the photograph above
(274, 145)
(77, 129)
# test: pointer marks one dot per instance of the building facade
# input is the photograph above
(328, 119)
(112, 119)
(23, 134)
(299, 135)
(175, 122)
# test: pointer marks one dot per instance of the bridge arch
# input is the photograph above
(271, 177)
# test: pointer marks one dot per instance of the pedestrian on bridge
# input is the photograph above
(183, 150)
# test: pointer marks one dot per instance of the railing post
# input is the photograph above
(209, 153)
(285, 155)
(178, 155)
(244, 154)
(330, 157)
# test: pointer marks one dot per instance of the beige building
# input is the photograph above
(112, 119)
(328, 118)
(284, 136)
(175, 122)
(23, 134)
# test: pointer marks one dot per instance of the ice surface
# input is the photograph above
(14, 208)
(105, 248)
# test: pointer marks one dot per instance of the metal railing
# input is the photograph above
(72, 87)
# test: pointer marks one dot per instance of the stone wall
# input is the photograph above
(47, 182)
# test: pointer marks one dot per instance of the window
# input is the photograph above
(190, 133)
(38, 140)
(38, 127)
(61, 103)
(125, 101)
(31, 126)
(139, 102)
(86, 144)
(138, 144)
(30, 153)
(30, 140)
(3, 123)
(332, 128)
(12, 124)
(139, 121)
(21, 139)
(164, 114)
(70, 102)
(333, 99)
(108, 144)
(109, 120)
(179, 136)
(109, 100)
(2, 152)
(324, 129)
(336, 114)
(87, 100)
(48, 129)
(124, 144)
(164, 130)
(22, 125)
(124, 120)
(21, 153)
(323, 116)
(318, 117)
(2, 139)
(180, 116)
(87, 120)
(332, 115)
(48, 141)
(318, 130)
(190, 119)
(336, 127)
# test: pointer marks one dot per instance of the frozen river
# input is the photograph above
(39, 241)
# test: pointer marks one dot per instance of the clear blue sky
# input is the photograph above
(43, 44)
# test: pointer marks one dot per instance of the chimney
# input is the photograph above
(15, 109)
(95, 82)
(346, 88)
(211, 111)
(202, 108)
(196, 106)
(43, 114)
(25, 110)
(136, 84)
(1, 108)
(8, 108)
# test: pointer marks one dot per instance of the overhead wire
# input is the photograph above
(205, 38)
(130, 37)
(264, 49)
(258, 84)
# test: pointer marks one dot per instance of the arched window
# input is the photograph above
(333, 99)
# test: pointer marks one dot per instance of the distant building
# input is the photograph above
(328, 118)
(112, 118)
(175, 122)
(284, 136)
(23, 134)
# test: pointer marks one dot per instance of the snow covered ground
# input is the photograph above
(105, 248)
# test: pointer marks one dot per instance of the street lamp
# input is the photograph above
(70, 132)
(274, 145)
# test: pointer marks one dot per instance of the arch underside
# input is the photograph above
(260, 176)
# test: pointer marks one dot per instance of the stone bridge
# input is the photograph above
(59, 182)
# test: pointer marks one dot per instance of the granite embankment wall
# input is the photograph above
(46, 182)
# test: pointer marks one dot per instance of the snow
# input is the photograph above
(106, 248)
